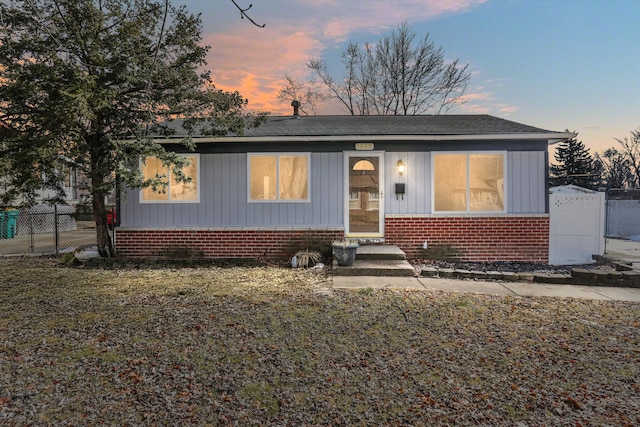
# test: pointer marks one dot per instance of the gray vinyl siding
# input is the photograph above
(526, 182)
(417, 180)
(223, 199)
(223, 193)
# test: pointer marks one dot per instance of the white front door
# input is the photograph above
(364, 204)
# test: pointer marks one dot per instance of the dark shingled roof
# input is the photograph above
(390, 125)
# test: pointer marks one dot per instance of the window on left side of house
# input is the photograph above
(175, 191)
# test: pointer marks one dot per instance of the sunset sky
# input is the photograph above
(554, 64)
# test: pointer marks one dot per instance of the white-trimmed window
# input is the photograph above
(469, 182)
(278, 177)
(174, 192)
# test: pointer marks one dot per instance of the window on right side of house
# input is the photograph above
(469, 182)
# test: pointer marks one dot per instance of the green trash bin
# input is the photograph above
(3, 225)
(9, 223)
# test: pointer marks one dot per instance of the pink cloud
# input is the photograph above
(256, 68)
(484, 102)
(475, 97)
(508, 109)
(343, 19)
(253, 61)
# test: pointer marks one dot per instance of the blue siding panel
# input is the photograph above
(223, 193)
(526, 182)
(425, 184)
(417, 180)
(216, 189)
(223, 198)
(514, 189)
(234, 190)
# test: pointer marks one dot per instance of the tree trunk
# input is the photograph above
(105, 247)
(99, 151)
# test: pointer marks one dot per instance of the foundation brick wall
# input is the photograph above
(217, 243)
(477, 239)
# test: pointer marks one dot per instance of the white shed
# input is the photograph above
(577, 224)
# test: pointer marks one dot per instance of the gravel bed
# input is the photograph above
(515, 267)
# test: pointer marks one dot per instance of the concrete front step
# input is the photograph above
(389, 267)
(377, 260)
(380, 252)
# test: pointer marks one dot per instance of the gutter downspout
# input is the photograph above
(117, 213)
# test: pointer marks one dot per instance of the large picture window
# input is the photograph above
(278, 177)
(174, 192)
(471, 182)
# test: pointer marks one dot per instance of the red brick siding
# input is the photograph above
(221, 243)
(508, 238)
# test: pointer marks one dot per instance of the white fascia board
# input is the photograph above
(567, 135)
(552, 137)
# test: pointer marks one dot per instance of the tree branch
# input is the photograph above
(396, 76)
(243, 14)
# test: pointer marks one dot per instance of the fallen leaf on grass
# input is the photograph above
(262, 346)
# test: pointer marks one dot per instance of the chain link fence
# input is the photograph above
(45, 230)
(623, 224)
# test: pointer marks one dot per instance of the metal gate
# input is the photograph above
(623, 224)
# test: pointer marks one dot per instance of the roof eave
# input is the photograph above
(562, 136)
(551, 137)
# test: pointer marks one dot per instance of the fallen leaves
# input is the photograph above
(278, 347)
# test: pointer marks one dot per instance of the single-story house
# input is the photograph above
(473, 184)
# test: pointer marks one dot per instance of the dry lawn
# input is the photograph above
(269, 346)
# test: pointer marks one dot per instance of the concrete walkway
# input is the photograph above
(486, 287)
(624, 251)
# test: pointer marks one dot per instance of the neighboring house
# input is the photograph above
(473, 184)
(71, 180)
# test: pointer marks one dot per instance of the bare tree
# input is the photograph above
(631, 151)
(306, 93)
(614, 169)
(396, 76)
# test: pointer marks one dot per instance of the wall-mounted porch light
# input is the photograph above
(401, 167)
